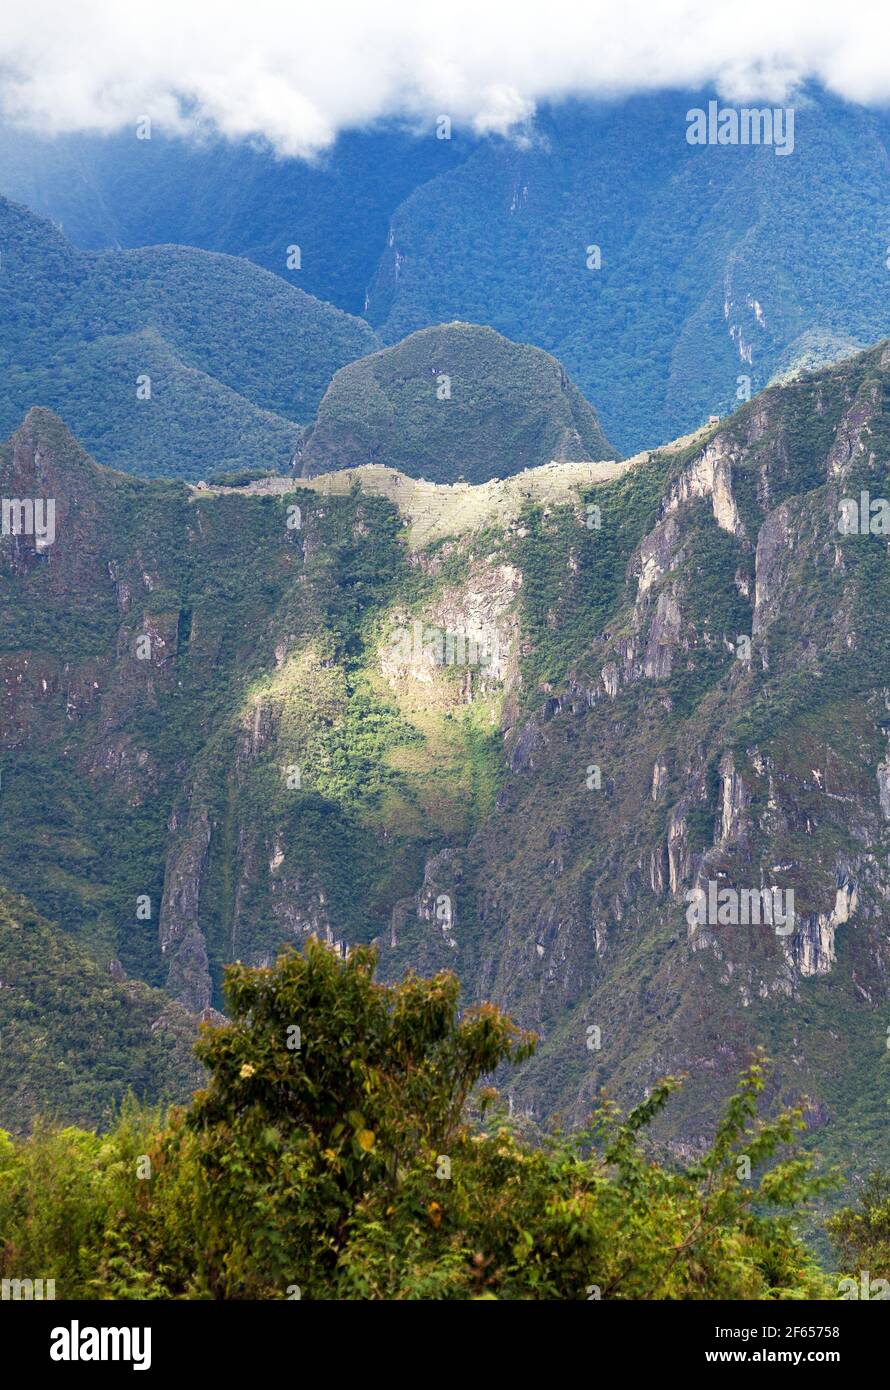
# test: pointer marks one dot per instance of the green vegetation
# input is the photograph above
(707, 253)
(574, 569)
(861, 1234)
(75, 1039)
(261, 625)
(283, 773)
(716, 264)
(342, 1149)
(165, 361)
(239, 477)
(456, 401)
(236, 196)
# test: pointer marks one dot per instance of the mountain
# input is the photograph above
(77, 1038)
(704, 703)
(126, 190)
(713, 266)
(669, 279)
(508, 729)
(173, 651)
(449, 401)
(166, 360)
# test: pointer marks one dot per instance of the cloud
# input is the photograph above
(295, 74)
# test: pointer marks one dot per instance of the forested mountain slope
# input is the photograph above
(77, 1037)
(514, 746)
(165, 360)
(669, 279)
(448, 402)
(142, 188)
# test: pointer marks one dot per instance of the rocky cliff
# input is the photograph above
(617, 753)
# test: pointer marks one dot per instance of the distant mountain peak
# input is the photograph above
(455, 400)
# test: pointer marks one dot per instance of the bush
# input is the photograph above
(337, 1151)
(861, 1234)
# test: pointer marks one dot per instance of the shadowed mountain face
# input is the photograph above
(452, 401)
(165, 360)
(119, 191)
(77, 1037)
(669, 279)
(536, 748)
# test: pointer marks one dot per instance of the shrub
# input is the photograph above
(338, 1151)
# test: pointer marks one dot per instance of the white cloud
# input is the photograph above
(297, 73)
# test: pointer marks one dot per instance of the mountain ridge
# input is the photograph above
(137, 348)
(512, 751)
(447, 400)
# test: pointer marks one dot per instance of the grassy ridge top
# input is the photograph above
(434, 511)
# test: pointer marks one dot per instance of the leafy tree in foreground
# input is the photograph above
(861, 1235)
(337, 1151)
(327, 1091)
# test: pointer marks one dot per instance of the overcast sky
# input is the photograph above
(295, 73)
